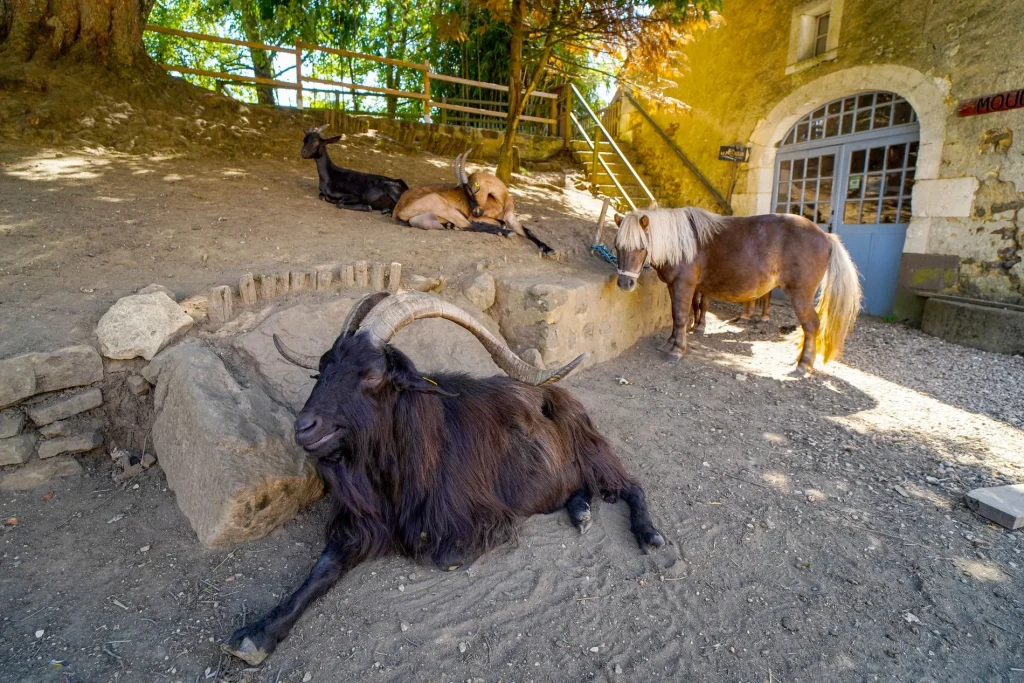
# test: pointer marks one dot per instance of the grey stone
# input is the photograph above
(80, 443)
(74, 366)
(324, 276)
(980, 327)
(64, 406)
(247, 289)
(138, 385)
(395, 276)
(17, 449)
(38, 472)
(227, 451)
(434, 345)
(118, 366)
(220, 305)
(17, 380)
(11, 422)
(149, 289)
(377, 277)
(481, 291)
(141, 325)
(533, 357)
(1004, 505)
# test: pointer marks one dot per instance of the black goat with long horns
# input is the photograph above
(437, 469)
(347, 188)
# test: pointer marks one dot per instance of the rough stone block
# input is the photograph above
(298, 281)
(138, 385)
(324, 276)
(11, 422)
(196, 307)
(39, 472)
(17, 380)
(141, 325)
(221, 305)
(66, 427)
(981, 327)
(395, 276)
(1004, 505)
(266, 287)
(64, 406)
(17, 449)
(74, 366)
(481, 291)
(348, 277)
(377, 277)
(149, 289)
(247, 289)
(227, 451)
(79, 443)
(362, 275)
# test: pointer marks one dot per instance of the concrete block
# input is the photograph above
(79, 443)
(247, 289)
(221, 304)
(266, 288)
(17, 449)
(324, 276)
(362, 275)
(988, 328)
(1004, 505)
(377, 277)
(11, 422)
(64, 406)
(17, 380)
(395, 276)
(924, 272)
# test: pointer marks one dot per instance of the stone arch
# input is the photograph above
(925, 94)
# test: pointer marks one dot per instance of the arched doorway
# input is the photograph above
(850, 166)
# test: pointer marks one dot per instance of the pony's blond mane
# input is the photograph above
(673, 235)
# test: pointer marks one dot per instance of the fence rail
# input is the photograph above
(428, 102)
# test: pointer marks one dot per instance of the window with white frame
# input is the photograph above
(814, 34)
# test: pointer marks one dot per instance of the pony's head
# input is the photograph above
(632, 246)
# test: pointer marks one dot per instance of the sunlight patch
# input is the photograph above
(777, 480)
(980, 570)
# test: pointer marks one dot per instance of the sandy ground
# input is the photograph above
(816, 530)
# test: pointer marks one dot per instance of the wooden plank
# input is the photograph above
(230, 77)
(488, 86)
(369, 88)
(487, 112)
(216, 39)
(359, 55)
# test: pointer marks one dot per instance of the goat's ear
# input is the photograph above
(424, 385)
(331, 141)
(618, 219)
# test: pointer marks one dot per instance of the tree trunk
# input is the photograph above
(515, 92)
(105, 32)
(389, 48)
(262, 61)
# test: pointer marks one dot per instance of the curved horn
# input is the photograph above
(385, 320)
(301, 359)
(460, 173)
(359, 311)
(321, 129)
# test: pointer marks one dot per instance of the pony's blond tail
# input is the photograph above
(839, 303)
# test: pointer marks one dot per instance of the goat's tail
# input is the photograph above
(839, 302)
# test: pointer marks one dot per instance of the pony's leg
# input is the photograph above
(682, 300)
(803, 306)
(766, 307)
(704, 301)
(578, 507)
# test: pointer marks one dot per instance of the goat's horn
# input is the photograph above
(359, 311)
(321, 129)
(387, 319)
(458, 170)
(301, 359)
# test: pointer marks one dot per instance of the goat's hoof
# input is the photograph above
(650, 540)
(583, 521)
(241, 644)
(611, 499)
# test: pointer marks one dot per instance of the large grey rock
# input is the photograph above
(78, 443)
(149, 289)
(17, 380)
(434, 345)
(39, 472)
(75, 366)
(17, 449)
(141, 325)
(227, 451)
(1004, 505)
(64, 406)
(11, 422)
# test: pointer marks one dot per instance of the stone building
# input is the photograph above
(850, 110)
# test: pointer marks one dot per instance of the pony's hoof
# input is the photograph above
(701, 329)
(675, 355)
(667, 346)
(800, 373)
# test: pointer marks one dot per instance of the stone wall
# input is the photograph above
(971, 171)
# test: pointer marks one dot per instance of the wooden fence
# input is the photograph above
(444, 104)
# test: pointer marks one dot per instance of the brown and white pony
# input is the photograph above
(743, 258)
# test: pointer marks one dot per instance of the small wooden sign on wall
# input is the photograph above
(987, 104)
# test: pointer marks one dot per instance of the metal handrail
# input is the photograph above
(615, 147)
(586, 138)
(721, 200)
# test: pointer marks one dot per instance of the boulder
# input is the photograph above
(17, 449)
(17, 380)
(141, 325)
(227, 451)
(481, 291)
(78, 443)
(75, 366)
(149, 289)
(64, 406)
(11, 422)
(39, 472)
(434, 345)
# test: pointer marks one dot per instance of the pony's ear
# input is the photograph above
(644, 222)
(618, 219)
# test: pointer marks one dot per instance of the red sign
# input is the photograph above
(1004, 101)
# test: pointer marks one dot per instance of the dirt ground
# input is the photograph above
(816, 530)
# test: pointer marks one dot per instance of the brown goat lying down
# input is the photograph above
(438, 469)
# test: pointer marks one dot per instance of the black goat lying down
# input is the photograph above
(437, 469)
(347, 188)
